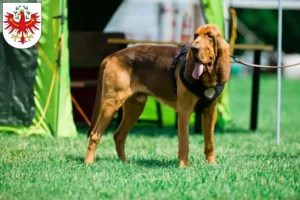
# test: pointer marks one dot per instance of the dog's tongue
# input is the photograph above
(198, 70)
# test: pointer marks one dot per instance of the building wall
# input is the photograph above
(156, 20)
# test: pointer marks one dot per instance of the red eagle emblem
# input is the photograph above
(24, 26)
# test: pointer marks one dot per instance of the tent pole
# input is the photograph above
(59, 60)
(279, 58)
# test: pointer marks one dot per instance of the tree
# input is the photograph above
(264, 23)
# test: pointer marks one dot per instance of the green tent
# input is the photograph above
(35, 89)
(214, 14)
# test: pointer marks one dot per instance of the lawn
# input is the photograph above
(250, 165)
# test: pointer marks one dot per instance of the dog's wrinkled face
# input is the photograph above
(205, 46)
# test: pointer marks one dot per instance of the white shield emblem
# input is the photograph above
(22, 24)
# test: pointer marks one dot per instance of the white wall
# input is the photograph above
(140, 19)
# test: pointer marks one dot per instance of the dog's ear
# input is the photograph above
(223, 61)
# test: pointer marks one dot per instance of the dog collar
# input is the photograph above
(207, 95)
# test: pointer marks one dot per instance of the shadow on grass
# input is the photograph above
(237, 130)
(80, 159)
(154, 163)
(76, 159)
(143, 162)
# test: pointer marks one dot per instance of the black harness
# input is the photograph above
(198, 88)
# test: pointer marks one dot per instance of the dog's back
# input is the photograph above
(149, 66)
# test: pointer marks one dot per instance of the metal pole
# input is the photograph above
(279, 50)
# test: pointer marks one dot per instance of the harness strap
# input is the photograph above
(174, 64)
(198, 88)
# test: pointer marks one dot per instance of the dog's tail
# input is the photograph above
(97, 104)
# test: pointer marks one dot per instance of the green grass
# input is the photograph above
(250, 165)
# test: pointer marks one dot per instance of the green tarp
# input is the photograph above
(52, 101)
(18, 71)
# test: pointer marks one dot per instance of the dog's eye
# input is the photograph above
(195, 36)
(209, 36)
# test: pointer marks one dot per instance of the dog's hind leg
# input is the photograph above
(108, 109)
(112, 92)
(132, 109)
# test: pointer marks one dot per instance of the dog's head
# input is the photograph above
(210, 53)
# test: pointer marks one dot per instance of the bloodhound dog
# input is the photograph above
(188, 79)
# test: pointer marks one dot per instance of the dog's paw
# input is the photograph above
(122, 158)
(89, 161)
(211, 160)
(184, 164)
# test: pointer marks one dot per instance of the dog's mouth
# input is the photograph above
(200, 68)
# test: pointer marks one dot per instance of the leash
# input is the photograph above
(235, 60)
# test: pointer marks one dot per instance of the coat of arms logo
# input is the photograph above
(22, 26)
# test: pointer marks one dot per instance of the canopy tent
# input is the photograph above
(35, 94)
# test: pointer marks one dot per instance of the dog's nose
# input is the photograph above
(194, 49)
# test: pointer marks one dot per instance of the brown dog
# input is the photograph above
(128, 76)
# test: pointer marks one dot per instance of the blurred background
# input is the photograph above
(257, 23)
(77, 35)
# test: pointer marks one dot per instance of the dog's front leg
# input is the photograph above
(208, 126)
(183, 138)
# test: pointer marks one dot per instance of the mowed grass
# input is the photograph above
(250, 165)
